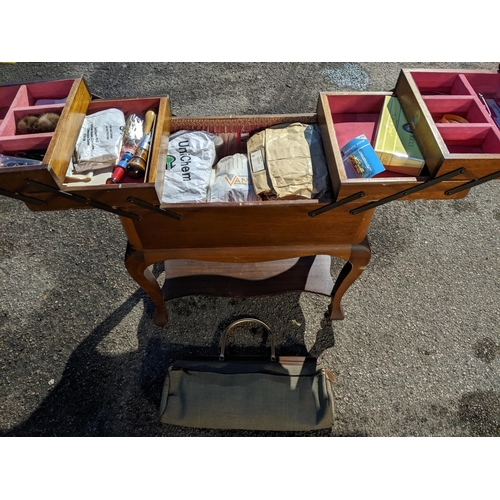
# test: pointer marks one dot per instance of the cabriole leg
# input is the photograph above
(358, 260)
(138, 269)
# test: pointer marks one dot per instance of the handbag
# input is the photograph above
(286, 393)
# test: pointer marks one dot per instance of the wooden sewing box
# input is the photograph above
(262, 247)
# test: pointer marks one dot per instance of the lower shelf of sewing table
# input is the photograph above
(252, 279)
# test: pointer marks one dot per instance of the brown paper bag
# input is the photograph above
(288, 161)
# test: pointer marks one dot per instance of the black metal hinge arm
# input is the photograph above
(471, 184)
(407, 192)
(22, 197)
(154, 208)
(82, 200)
(336, 204)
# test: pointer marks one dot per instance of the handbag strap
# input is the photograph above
(238, 322)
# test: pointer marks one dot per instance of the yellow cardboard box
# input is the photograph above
(395, 143)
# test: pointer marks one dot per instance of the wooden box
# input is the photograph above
(266, 224)
(426, 96)
(345, 115)
(71, 97)
(43, 187)
(242, 238)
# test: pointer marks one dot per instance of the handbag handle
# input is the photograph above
(239, 322)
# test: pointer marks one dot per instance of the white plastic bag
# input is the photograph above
(231, 180)
(100, 139)
(191, 155)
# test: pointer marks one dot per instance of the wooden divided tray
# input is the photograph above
(68, 98)
(123, 194)
(344, 116)
(450, 117)
(45, 186)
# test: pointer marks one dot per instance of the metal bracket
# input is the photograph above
(82, 200)
(471, 184)
(336, 204)
(18, 196)
(407, 192)
(153, 208)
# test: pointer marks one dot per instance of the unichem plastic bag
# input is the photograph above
(230, 180)
(191, 156)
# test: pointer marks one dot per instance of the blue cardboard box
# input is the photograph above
(360, 159)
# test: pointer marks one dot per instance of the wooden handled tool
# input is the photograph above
(149, 119)
(136, 167)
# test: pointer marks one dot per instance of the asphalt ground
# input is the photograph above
(417, 354)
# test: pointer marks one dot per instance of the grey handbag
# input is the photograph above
(288, 393)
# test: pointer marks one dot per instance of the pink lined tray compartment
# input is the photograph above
(27, 142)
(454, 84)
(10, 140)
(17, 101)
(45, 90)
(486, 84)
(466, 107)
(138, 106)
(9, 128)
(474, 139)
(442, 83)
(354, 115)
(449, 85)
(26, 95)
(461, 94)
(7, 97)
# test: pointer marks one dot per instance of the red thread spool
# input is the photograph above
(119, 169)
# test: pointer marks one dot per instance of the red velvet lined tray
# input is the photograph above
(18, 101)
(427, 97)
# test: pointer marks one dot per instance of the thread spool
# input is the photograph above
(119, 169)
(136, 167)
